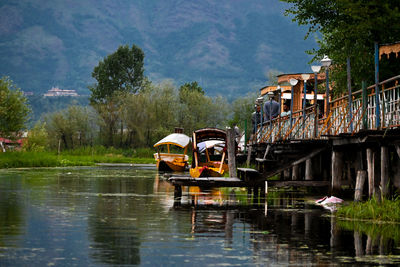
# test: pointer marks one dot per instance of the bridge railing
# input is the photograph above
(341, 119)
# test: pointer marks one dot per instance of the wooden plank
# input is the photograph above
(236, 182)
(284, 167)
(278, 183)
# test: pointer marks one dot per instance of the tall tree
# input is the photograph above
(120, 73)
(14, 110)
(349, 28)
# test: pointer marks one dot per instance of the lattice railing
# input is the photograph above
(341, 119)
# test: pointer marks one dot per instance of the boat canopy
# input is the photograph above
(178, 139)
(207, 134)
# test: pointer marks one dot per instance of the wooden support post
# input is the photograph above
(308, 172)
(358, 244)
(371, 172)
(249, 155)
(255, 195)
(295, 172)
(337, 168)
(397, 146)
(286, 174)
(263, 192)
(177, 194)
(249, 192)
(231, 152)
(384, 171)
(361, 175)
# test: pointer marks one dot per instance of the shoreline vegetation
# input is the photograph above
(87, 156)
(372, 210)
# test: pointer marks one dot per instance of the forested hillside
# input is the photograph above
(227, 46)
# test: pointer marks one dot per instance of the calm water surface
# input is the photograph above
(125, 216)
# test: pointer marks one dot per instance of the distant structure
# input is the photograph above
(55, 91)
(27, 93)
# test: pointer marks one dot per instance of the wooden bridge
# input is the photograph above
(354, 138)
(335, 142)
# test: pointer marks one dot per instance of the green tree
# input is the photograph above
(190, 87)
(119, 74)
(72, 127)
(349, 28)
(14, 110)
(242, 109)
(121, 71)
(37, 139)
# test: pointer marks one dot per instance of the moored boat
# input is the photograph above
(209, 153)
(168, 160)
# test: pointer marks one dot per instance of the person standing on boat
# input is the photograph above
(271, 108)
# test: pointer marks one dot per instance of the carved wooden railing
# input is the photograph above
(342, 118)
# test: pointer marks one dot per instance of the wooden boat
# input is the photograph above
(209, 153)
(167, 160)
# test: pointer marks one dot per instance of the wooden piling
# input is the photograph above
(286, 174)
(230, 136)
(337, 167)
(177, 194)
(358, 244)
(384, 171)
(295, 172)
(255, 195)
(361, 175)
(308, 172)
(371, 172)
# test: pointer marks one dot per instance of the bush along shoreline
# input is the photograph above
(77, 157)
(374, 210)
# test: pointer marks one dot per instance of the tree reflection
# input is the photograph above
(115, 237)
(11, 216)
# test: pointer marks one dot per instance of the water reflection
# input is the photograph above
(104, 216)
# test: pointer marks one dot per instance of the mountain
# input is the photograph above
(227, 46)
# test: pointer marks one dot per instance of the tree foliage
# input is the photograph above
(119, 74)
(37, 139)
(14, 110)
(121, 71)
(349, 28)
(72, 127)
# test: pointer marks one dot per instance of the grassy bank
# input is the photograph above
(78, 157)
(383, 211)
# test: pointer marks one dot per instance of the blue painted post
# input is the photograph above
(327, 96)
(315, 105)
(304, 105)
(365, 104)
(377, 107)
(280, 104)
(245, 134)
(350, 99)
(291, 109)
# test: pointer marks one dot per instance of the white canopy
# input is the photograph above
(217, 144)
(177, 139)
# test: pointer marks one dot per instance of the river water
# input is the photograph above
(93, 216)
